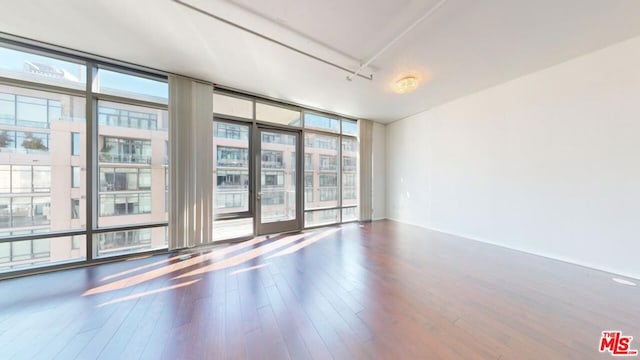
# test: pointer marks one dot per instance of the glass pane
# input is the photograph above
(321, 217)
(231, 168)
(232, 228)
(23, 65)
(36, 163)
(350, 192)
(5, 179)
(132, 162)
(349, 127)
(278, 198)
(349, 214)
(315, 121)
(130, 241)
(130, 86)
(119, 115)
(27, 254)
(278, 115)
(75, 177)
(75, 143)
(321, 171)
(229, 105)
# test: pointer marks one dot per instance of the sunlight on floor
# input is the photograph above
(204, 263)
(147, 293)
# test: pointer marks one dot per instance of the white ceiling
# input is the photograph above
(466, 46)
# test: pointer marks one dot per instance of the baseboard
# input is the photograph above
(526, 251)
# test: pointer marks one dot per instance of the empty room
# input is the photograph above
(278, 179)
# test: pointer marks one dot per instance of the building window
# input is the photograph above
(125, 179)
(75, 176)
(273, 198)
(25, 179)
(232, 157)
(328, 180)
(121, 150)
(272, 159)
(328, 162)
(349, 163)
(308, 179)
(232, 178)
(350, 174)
(349, 194)
(231, 200)
(76, 241)
(123, 241)
(231, 168)
(328, 194)
(120, 117)
(21, 251)
(39, 128)
(349, 145)
(75, 208)
(231, 131)
(24, 211)
(7, 109)
(32, 112)
(308, 161)
(273, 178)
(125, 204)
(75, 143)
(24, 142)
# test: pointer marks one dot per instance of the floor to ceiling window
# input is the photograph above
(329, 164)
(132, 161)
(49, 110)
(84, 159)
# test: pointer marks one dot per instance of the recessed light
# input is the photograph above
(405, 85)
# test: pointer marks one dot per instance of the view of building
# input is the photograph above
(43, 164)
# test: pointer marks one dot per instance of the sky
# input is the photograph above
(14, 60)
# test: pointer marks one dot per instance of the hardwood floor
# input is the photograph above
(383, 290)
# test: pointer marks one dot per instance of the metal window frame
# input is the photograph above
(92, 63)
(251, 209)
(228, 91)
(298, 223)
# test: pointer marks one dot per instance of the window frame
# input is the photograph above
(88, 149)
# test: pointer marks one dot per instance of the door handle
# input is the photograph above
(259, 196)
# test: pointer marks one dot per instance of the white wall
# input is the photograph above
(379, 152)
(548, 163)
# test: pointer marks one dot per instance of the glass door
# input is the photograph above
(278, 201)
(232, 180)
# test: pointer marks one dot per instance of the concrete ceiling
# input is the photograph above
(464, 47)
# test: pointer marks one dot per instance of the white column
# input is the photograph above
(191, 162)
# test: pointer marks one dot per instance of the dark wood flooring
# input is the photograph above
(383, 290)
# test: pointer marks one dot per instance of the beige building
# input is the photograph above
(43, 174)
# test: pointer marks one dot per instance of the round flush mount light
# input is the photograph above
(624, 281)
(405, 85)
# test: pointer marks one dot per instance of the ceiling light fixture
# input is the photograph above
(623, 281)
(405, 85)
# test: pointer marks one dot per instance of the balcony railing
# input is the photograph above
(233, 163)
(273, 165)
(125, 158)
(330, 167)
